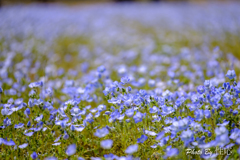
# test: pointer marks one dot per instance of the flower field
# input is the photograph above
(120, 81)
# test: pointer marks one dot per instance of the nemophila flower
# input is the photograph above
(80, 158)
(221, 113)
(114, 115)
(75, 111)
(129, 112)
(107, 144)
(171, 153)
(131, 149)
(160, 135)
(48, 92)
(28, 124)
(221, 130)
(101, 69)
(163, 141)
(29, 134)
(20, 125)
(101, 108)
(235, 134)
(27, 112)
(151, 83)
(71, 149)
(50, 158)
(6, 111)
(1, 90)
(235, 112)
(226, 85)
(138, 117)
(65, 136)
(34, 155)
(39, 118)
(78, 128)
(142, 139)
(56, 144)
(207, 113)
(195, 99)
(182, 124)
(7, 122)
(227, 100)
(8, 143)
(23, 145)
(101, 132)
(110, 156)
(201, 89)
(151, 133)
(128, 89)
(125, 80)
(231, 74)
(199, 114)
(36, 84)
(154, 109)
(207, 84)
(167, 110)
(187, 137)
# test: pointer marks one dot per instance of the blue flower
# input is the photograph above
(138, 117)
(23, 145)
(20, 125)
(6, 111)
(160, 135)
(36, 84)
(8, 143)
(29, 134)
(131, 149)
(227, 100)
(201, 89)
(231, 74)
(7, 122)
(107, 144)
(208, 84)
(71, 149)
(101, 108)
(125, 80)
(187, 137)
(34, 155)
(27, 112)
(101, 69)
(207, 113)
(235, 112)
(154, 109)
(129, 112)
(101, 132)
(221, 113)
(142, 139)
(28, 124)
(171, 152)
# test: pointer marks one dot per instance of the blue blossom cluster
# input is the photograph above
(76, 84)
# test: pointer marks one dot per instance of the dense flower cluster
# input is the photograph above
(117, 92)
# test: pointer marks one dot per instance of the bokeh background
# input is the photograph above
(74, 2)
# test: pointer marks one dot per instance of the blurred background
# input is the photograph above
(73, 2)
